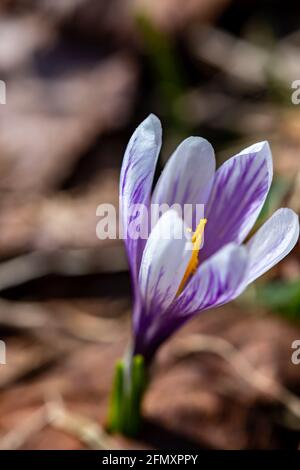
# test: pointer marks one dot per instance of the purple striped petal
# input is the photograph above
(240, 188)
(188, 175)
(136, 181)
(215, 282)
(272, 242)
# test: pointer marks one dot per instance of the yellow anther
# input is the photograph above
(194, 260)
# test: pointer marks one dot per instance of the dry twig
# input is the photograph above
(17, 437)
(85, 430)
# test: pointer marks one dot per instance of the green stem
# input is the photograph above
(127, 392)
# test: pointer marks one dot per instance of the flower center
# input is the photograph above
(194, 260)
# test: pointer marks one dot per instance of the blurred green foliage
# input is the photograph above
(282, 297)
(167, 70)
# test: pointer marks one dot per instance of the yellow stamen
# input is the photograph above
(194, 260)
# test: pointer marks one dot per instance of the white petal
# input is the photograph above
(188, 175)
(272, 242)
(164, 262)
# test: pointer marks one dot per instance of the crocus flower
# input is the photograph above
(172, 283)
(176, 277)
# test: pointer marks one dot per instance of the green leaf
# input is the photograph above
(128, 389)
(282, 297)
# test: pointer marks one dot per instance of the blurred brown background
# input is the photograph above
(80, 76)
